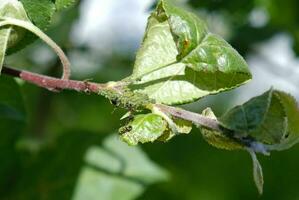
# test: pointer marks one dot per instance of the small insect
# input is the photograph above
(287, 135)
(186, 43)
(130, 106)
(125, 129)
(86, 83)
(130, 117)
(115, 102)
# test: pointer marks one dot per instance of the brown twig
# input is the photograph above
(90, 87)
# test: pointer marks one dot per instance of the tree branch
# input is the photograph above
(55, 84)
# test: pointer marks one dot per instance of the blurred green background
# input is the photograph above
(63, 146)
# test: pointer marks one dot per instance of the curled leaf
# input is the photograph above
(292, 113)
(143, 128)
(271, 119)
(181, 127)
(220, 139)
(216, 138)
(180, 61)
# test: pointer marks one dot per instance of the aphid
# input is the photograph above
(86, 83)
(130, 117)
(129, 106)
(287, 135)
(115, 102)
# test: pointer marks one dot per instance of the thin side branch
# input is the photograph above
(90, 87)
(190, 116)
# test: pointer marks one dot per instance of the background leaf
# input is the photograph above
(116, 171)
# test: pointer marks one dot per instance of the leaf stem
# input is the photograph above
(30, 27)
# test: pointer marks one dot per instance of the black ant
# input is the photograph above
(125, 129)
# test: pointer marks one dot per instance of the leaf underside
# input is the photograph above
(150, 127)
(217, 138)
(4, 37)
(144, 128)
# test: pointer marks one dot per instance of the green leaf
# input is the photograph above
(9, 35)
(216, 138)
(271, 118)
(181, 127)
(262, 118)
(4, 37)
(13, 9)
(292, 112)
(257, 172)
(180, 61)
(249, 116)
(116, 171)
(143, 128)
(40, 13)
(62, 4)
